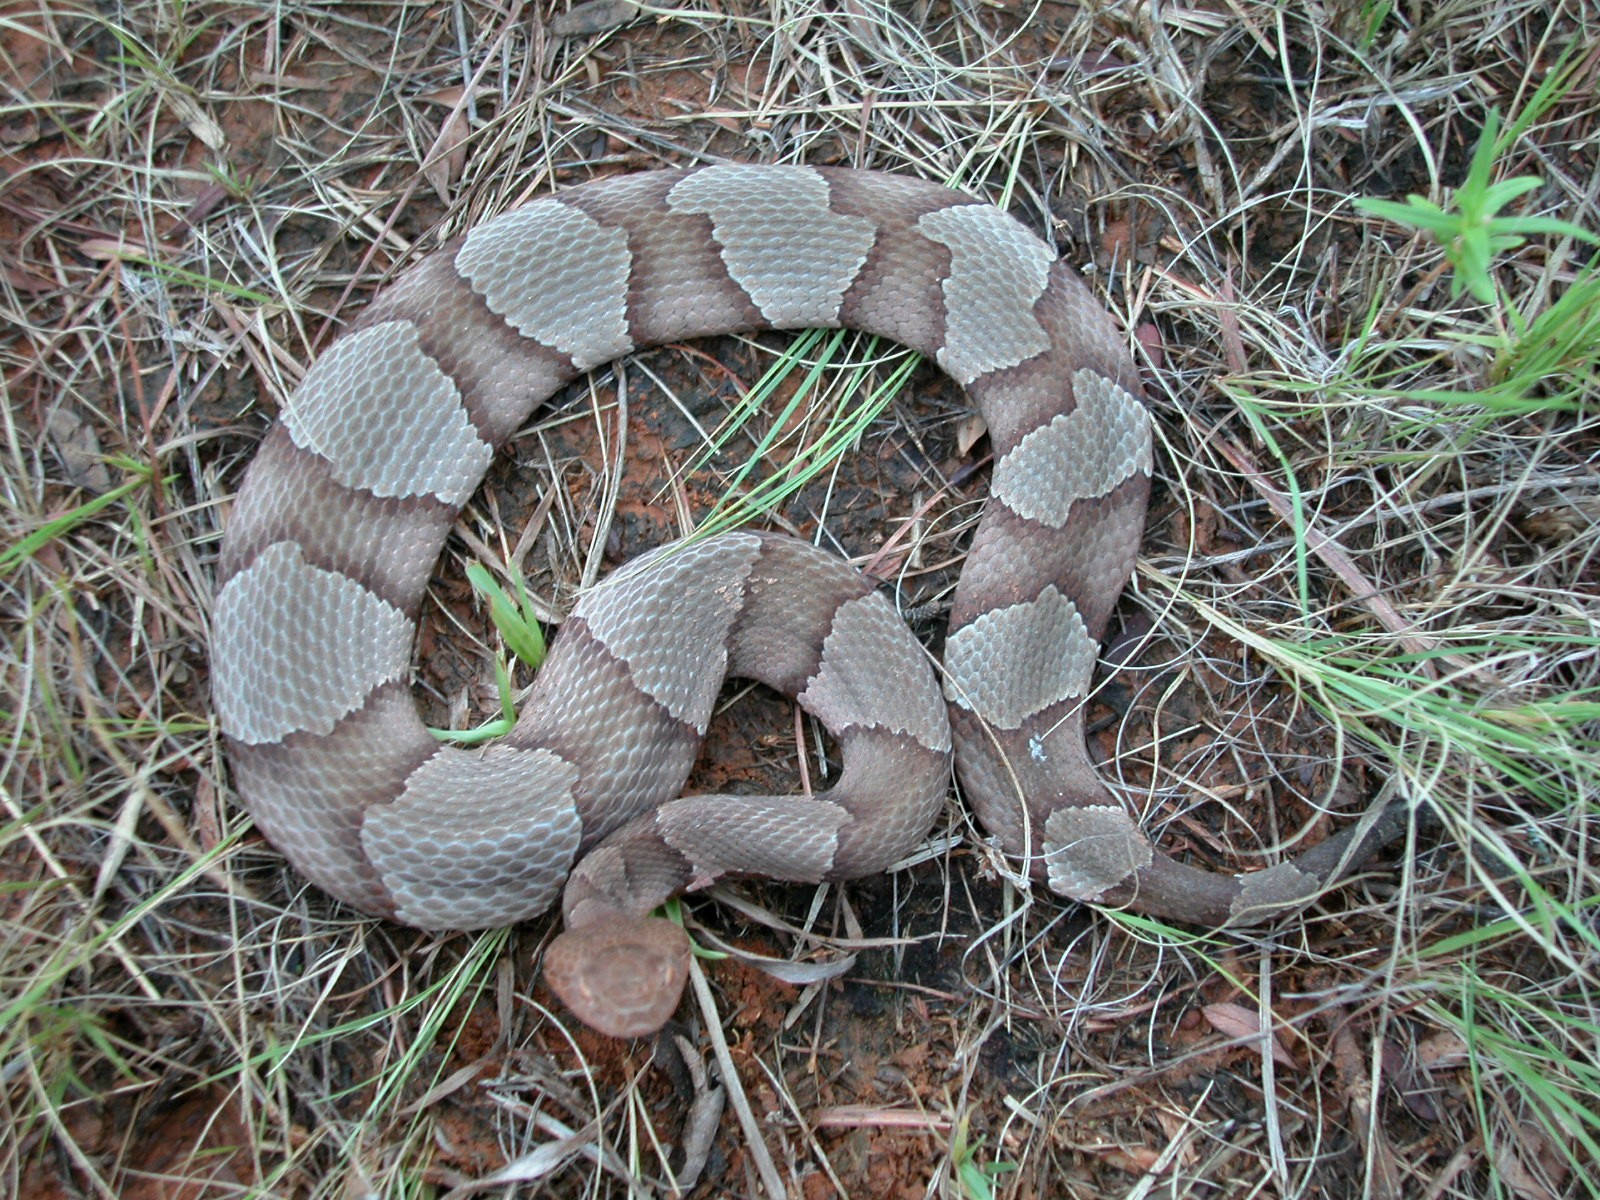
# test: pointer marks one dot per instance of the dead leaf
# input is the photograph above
(1516, 1161)
(1409, 1083)
(105, 249)
(78, 447)
(1237, 1021)
(1136, 1160)
(1441, 1051)
(1355, 1081)
(207, 820)
(968, 431)
(197, 119)
(447, 157)
(1155, 346)
(1558, 522)
(596, 16)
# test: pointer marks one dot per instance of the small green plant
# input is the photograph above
(1471, 229)
(672, 911)
(519, 629)
(1538, 358)
(1371, 18)
(514, 619)
(975, 1179)
(20, 551)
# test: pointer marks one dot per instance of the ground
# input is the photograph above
(1368, 575)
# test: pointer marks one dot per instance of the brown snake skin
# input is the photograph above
(348, 501)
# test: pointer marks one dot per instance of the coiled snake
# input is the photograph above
(348, 501)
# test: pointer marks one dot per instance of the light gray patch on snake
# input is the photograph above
(779, 240)
(779, 837)
(387, 419)
(998, 270)
(1089, 850)
(1013, 662)
(1280, 887)
(556, 275)
(295, 648)
(867, 645)
(1078, 455)
(477, 838)
(666, 616)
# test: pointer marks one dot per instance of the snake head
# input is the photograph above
(622, 976)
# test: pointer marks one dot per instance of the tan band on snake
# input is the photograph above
(347, 504)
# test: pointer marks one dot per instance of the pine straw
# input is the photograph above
(197, 195)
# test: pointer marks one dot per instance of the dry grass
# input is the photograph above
(1371, 571)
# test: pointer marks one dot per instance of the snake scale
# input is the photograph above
(346, 506)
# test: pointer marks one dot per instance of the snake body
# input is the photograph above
(346, 506)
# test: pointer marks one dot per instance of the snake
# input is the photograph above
(347, 503)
